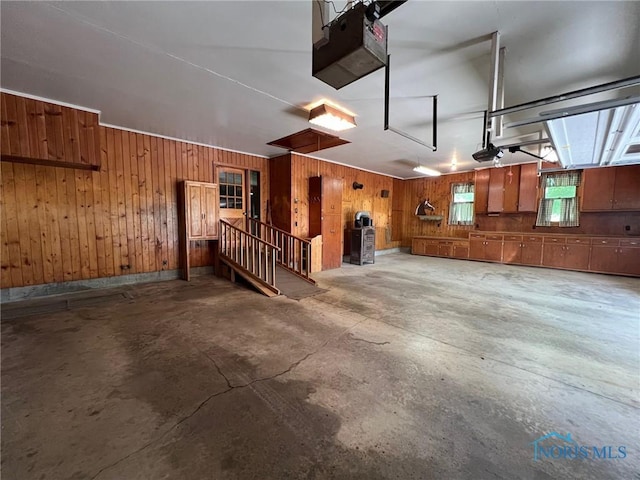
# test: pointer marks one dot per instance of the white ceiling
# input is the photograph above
(237, 74)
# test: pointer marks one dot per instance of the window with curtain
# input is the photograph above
(559, 202)
(461, 209)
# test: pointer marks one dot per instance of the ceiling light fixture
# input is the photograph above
(331, 117)
(427, 171)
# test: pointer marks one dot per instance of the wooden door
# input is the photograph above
(233, 198)
(331, 241)
(626, 194)
(576, 254)
(597, 189)
(629, 257)
(461, 250)
(210, 202)
(495, 201)
(315, 206)
(531, 250)
(493, 248)
(512, 249)
(511, 188)
(476, 246)
(418, 246)
(553, 251)
(481, 189)
(604, 257)
(528, 195)
(194, 211)
(444, 249)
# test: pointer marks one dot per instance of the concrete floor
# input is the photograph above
(414, 367)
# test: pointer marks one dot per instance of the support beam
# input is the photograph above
(320, 16)
(500, 89)
(493, 78)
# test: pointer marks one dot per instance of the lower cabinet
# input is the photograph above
(435, 247)
(611, 255)
(485, 247)
(594, 254)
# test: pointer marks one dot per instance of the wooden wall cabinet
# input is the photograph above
(199, 219)
(529, 185)
(612, 188)
(481, 189)
(325, 218)
(504, 186)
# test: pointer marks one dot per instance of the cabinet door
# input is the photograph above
(331, 241)
(460, 251)
(493, 250)
(495, 202)
(417, 246)
(431, 247)
(553, 255)
(597, 189)
(576, 256)
(511, 187)
(210, 207)
(629, 258)
(531, 253)
(481, 189)
(528, 195)
(512, 252)
(626, 194)
(476, 248)
(195, 212)
(444, 249)
(604, 258)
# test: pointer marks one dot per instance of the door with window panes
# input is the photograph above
(232, 196)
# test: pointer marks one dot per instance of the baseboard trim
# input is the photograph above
(34, 291)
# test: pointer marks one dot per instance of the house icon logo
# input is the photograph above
(537, 447)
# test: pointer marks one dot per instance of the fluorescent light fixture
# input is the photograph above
(427, 171)
(331, 117)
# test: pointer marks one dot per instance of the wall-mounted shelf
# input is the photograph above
(430, 218)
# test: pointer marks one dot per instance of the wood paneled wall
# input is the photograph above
(438, 191)
(62, 224)
(280, 191)
(368, 198)
(38, 130)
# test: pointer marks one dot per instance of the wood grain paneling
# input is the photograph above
(61, 224)
(438, 191)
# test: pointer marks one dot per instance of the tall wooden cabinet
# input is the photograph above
(325, 218)
(199, 217)
(481, 189)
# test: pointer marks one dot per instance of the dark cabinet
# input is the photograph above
(363, 245)
(611, 255)
(531, 250)
(512, 249)
(436, 247)
(611, 188)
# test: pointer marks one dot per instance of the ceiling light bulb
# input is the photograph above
(427, 171)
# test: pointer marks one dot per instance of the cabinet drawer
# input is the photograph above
(477, 236)
(532, 239)
(555, 239)
(494, 237)
(605, 241)
(630, 242)
(513, 238)
(579, 240)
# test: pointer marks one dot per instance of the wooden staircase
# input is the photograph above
(256, 256)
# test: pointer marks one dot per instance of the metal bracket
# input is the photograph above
(434, 147)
